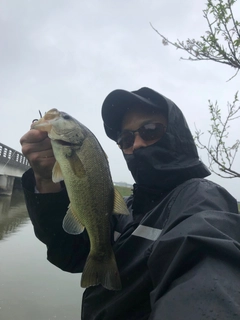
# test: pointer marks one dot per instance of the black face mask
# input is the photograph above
(160, 166)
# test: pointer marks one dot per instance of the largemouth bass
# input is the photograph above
(83, 165)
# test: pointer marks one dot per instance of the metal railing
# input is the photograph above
(11, 157)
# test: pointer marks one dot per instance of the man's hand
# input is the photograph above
(37, 148)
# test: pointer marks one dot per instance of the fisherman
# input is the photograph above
(178, 251)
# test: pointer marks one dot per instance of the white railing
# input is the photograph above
(12, 157)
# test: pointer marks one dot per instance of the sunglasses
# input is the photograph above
(147, 132)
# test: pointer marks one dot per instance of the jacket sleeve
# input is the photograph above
(46, 211)
(195, 263)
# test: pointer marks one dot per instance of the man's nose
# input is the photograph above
(138, 142)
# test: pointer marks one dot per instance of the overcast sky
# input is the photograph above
(70, 54)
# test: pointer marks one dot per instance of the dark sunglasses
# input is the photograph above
(147, 132)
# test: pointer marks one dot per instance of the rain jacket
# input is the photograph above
(178, 252)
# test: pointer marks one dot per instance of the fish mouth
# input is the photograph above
(64, 143)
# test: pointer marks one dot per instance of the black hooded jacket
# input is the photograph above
(178, 252)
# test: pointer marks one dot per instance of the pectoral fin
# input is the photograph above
(71, 224)
(57, 173)
(119, 204)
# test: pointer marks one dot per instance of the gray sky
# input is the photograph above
(70, 54)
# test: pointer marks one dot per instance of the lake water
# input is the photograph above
(31, 288)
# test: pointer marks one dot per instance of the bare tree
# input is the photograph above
(221, 44)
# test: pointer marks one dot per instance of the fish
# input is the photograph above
(83, 166)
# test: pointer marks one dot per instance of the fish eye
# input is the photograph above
(66, 116)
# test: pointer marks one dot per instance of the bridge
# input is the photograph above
(12, 165)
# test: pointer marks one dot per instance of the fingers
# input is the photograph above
(37, 148)
(33, 136)
(36, 141)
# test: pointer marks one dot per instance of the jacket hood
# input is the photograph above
(171, 160)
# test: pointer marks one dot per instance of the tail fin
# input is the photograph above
(101, 271)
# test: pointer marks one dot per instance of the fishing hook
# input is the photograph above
(34, 120)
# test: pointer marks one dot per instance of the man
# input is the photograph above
(178, 252)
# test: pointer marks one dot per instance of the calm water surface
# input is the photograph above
(31, 288)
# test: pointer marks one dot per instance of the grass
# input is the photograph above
(125, 191)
